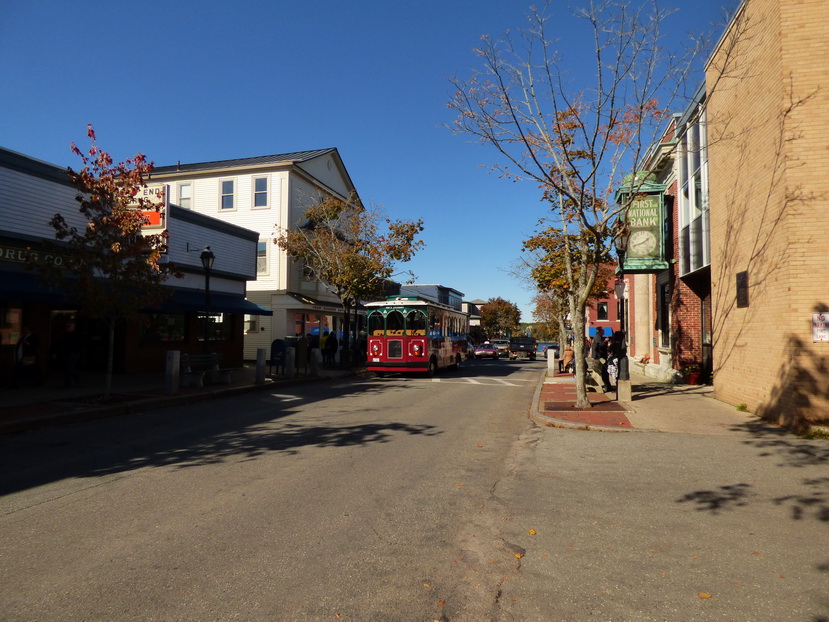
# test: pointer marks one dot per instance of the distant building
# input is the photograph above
(438, 293)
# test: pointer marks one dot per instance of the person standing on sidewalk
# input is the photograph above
(332, 344)
(599, 354)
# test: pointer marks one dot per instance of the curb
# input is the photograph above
(536, 415)
(137, 407)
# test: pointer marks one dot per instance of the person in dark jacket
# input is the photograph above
(599, 354)
(332, 344)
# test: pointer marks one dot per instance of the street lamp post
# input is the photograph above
(621, 243)
(207, 258)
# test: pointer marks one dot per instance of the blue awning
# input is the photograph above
(26, 286)
(194, 300)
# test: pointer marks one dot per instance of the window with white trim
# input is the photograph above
(185, 195)
(262, 257)
(260, 192)
(692, 162)
(227, 197)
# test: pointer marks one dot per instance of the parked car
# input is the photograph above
(502, 345)
(486, 351)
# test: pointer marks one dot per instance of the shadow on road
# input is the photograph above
(810, 500)
(242, 426)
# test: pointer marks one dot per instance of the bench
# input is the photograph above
(198, 369)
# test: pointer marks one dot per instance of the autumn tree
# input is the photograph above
(353, 251)
(545, 265)
(577, 134)
(111, 269)
(499, 317)
(548, 310)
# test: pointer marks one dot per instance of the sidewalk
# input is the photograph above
(655, 406)
(29, 407)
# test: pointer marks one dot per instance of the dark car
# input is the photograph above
(486, 351)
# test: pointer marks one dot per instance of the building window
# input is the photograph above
(251, 323)
(663, 319)
(185, 196)
(262, 257)
(260, 192)
(227, 201)
(161, 327)
(692, 162)
(601, 311)
(219, 326)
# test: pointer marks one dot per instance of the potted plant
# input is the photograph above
(692, 373)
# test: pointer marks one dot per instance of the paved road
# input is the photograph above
(408, 499)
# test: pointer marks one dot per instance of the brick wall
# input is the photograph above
(768, 164)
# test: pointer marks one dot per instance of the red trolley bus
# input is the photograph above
(407, 333)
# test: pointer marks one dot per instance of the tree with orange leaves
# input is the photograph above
(353, 251)
(577, 139)
(111, 269)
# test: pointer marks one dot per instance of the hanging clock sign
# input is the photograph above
(644, 223)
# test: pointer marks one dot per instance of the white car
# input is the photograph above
(502, 345)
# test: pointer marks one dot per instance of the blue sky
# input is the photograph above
(195, 81)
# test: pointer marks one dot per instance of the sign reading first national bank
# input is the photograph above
(644, 219)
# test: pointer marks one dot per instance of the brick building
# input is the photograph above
(768, 152)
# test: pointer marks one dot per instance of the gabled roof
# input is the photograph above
(294, 157)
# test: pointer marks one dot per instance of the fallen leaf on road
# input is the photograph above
(533, 532)
(441, 603)
(704, 595)
(458, 484)
(519, 555)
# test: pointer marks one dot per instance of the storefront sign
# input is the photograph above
(820, 327)
(16, 254)
(644, 218)
(157, 194)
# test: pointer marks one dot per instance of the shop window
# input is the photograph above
(219, 326)
(162, 327)
(10, 325)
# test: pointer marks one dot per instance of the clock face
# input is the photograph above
(641, 243)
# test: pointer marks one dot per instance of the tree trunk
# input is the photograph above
(580, 353)
(345, 358)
